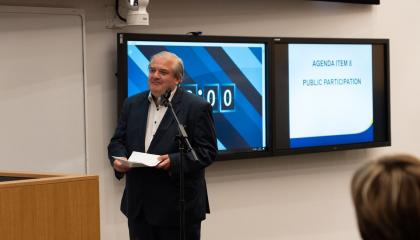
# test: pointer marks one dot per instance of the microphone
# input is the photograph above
(164, 98)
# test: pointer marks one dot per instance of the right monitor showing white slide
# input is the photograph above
(330, 94)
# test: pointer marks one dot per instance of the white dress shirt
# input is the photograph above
(154, 117)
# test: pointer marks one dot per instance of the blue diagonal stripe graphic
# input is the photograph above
(249, 65)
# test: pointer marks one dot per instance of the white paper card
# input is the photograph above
(140, 159)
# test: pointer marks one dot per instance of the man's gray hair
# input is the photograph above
(178, 68)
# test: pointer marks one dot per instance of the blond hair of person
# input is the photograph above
(386, 195)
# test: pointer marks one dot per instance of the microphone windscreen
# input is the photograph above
(164, 98)
(167, 94)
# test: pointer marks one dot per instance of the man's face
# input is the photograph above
(161, 75)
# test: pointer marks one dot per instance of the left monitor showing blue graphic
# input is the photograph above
(231, 76)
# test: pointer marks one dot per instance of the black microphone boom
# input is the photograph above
(164, 98)
(184, 147)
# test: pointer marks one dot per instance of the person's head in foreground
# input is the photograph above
(386, 195)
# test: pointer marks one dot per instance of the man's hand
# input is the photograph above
(119, 167)
(165, 162)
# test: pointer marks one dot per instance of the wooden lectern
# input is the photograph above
(49, 207)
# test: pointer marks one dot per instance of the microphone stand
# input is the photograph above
(184, 147)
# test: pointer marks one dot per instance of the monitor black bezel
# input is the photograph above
(373, 2)
(272, 63)
(381, 97)
(122, 39)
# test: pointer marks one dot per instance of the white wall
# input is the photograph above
(293, 197)
(26, 99)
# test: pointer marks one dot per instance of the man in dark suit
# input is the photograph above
(151, 195)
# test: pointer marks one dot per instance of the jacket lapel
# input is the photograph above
(168, 119)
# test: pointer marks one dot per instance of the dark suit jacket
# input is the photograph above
(153, 193)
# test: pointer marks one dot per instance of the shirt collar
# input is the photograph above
(150, 96)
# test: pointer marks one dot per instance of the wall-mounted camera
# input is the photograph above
(127, 13)
(137, 12)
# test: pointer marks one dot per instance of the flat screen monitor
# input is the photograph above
(228, 72)
(331, 94)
